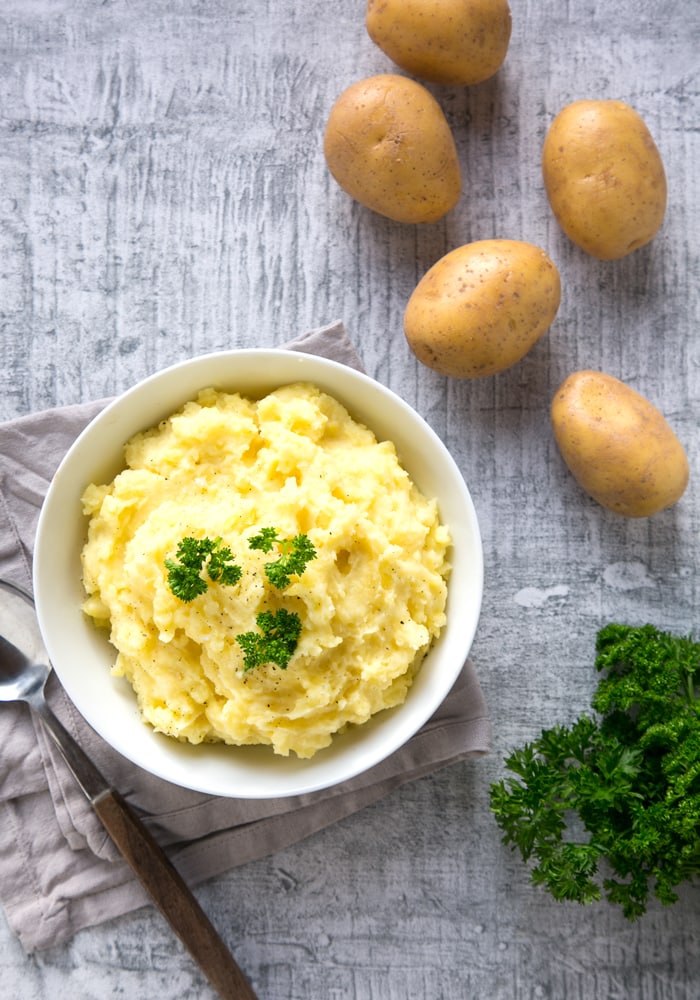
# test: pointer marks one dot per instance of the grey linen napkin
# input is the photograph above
(59, 872)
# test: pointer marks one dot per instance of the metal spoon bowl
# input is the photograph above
(24, 670)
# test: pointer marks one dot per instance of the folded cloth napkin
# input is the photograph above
(59, 871)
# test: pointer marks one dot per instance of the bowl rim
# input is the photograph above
(352, 752)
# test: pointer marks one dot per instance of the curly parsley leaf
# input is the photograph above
(276, 641)
(194, 556)
(621, 788)
(221, 566)
(294, 555)
(264, 540)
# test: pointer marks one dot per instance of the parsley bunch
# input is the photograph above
(619, 788)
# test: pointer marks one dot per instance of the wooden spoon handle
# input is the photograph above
(150, 863)
(172, 896)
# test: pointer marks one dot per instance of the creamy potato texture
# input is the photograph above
(370, 602)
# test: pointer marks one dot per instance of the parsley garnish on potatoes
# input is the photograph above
(295, 553)
(274, 643)
(185, 577)
(628, 777)
(279, 631)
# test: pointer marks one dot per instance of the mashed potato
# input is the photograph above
(370, 602)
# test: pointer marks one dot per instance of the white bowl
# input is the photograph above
(82, 657)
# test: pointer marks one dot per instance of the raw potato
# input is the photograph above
(604, 178)
(617, 445)
(389, 146)
(482, 307)
(455, 42)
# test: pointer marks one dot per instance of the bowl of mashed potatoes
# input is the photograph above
(258, 573)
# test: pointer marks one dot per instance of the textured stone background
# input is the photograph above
(163, 193)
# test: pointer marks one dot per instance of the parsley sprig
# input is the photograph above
(295, 553)
(276, 641)
(185, 577)
(628, 776)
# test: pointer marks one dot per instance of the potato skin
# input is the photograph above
(388, 145)
(482, 307)
(617, 445)
(452, 42)
(604, 178)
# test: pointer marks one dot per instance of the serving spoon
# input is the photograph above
(24, 670)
